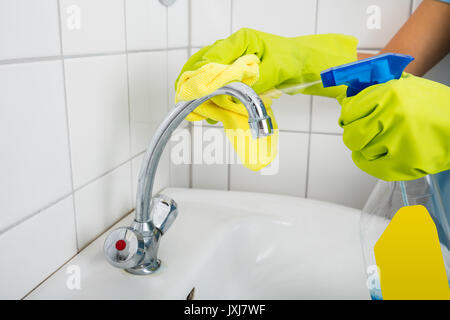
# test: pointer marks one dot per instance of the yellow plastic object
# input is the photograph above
(253, 153)
(409, 257)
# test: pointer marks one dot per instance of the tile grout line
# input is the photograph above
(30, 216)
(168, 108)
(191, 165)
(290, 131)
(231, 16)
(30, 59)
(308, 151)
(86, 55)
(316, 21)
(66, 106)
(191, 130)
(130, 150)
(189, 25)
(231, 32)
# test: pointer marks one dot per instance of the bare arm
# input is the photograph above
(425, 36)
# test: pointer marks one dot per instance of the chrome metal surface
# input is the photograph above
(163, 212)
(155, 215)
(133, 252)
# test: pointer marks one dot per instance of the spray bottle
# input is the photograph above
(388, 197)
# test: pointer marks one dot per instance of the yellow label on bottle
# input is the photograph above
(409, 257)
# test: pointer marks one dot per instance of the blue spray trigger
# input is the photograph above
(364, 73)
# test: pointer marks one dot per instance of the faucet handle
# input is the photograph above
(163, 212)
(124, 248)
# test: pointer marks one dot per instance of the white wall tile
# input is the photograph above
(282, 17)
(146, 24)
(176, 61)
(325, 115)
(292, 112)
(180, 158)
(102, 203)
(210, 176)
(28, 28)
(35, 248)
(97, 101)
(211, 21)
(290, 178)
(148, 96)
(178, 26)
(92, 26)
(332, 174)
(162, 178)
(35, 164)
(356, 17)
(208, 170)
(179, 172)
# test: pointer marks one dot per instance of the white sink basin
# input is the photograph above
(233, 245)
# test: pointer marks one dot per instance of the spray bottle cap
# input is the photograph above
(361, 74)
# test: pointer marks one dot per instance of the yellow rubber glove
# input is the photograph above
(265, 62)
(399, 130)
(285, 62)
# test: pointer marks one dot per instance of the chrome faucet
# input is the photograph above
(135, 248)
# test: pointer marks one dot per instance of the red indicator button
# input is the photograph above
(120, 245)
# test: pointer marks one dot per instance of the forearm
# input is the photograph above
(425, 36)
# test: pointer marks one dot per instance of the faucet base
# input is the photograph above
(146, 268)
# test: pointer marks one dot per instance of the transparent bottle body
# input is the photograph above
(385, 200)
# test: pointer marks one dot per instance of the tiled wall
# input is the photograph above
(83, 85)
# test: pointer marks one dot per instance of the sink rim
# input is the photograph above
(46, 289)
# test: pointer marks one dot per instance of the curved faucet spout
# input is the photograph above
(135, 248)
(258, 119)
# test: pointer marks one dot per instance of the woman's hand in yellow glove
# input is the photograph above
(284, 62)
(399, 130)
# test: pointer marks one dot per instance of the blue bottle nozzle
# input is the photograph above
(361, 74)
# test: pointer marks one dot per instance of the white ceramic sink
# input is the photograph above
(233, 245)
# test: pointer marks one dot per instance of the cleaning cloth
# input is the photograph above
(253, 153)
